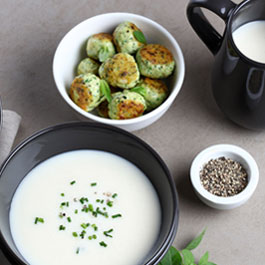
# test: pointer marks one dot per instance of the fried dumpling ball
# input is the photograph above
(85, 91)
(155, 61)
(124, 38)
(87, 66)
(100, 47)
(120, 71)
(103, 109)
(126, 105)
(155, 92)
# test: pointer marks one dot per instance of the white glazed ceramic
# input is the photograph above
(229, 151)
(71, 51)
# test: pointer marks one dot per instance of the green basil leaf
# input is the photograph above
(188, 258)
(175, 256)
(105, 90)
(204, 259)
(166, 259)
(172, 257)
(103, 54)
(139, 36)
(140, 90)
(196, 241)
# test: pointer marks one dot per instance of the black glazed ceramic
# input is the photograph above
(237, 82)
(82, 135)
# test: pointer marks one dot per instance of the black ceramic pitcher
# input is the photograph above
(237, 81)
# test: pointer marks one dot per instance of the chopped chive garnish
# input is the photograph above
(104, 208)
(75, 234)
(61, 215)
(110, 203)
(85, 209)
(116, 215)
(72, 182)
(69, 219)
(77, 250)
(62, 194)
(102, 201)
(114, 195)
(98, 211)
(93, 184)
(90, 207)
(85, 226)
(103, 244)
(39, 220)
(61, 227)
(95, 227)
(98, 200)
(82, 234)
(76, 211)
(83, 200)
(95, 214)
(92, 237)
(64, 204)
(106, 233)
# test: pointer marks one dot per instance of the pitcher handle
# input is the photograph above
(202, 26)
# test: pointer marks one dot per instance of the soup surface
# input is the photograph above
(250, 40)
(85, 207)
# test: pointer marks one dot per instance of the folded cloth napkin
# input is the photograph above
(8, 132)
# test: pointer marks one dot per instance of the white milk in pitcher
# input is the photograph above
(250, 40)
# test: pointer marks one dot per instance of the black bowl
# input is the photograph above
(82, 135)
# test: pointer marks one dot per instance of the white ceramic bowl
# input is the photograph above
(229, 151)
(71, 51)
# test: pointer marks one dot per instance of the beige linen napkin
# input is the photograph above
(8, 132)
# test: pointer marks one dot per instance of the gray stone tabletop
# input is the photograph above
(29, 34)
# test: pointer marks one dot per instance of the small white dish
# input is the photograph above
(229, 151)
(70, 51)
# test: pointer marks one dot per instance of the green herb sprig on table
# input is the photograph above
(185, 256)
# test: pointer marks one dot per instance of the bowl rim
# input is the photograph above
(226, 150)
(180, 77)
(159, 253)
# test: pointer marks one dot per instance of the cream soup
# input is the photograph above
(85, 207)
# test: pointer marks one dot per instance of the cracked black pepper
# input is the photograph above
(223, 177)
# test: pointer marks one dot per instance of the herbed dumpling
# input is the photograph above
(155, 61)
(126, 105)
(87, 66)
(155, 92)
(120, 71)
(125, 38)
(85, 91)
(100, 46)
